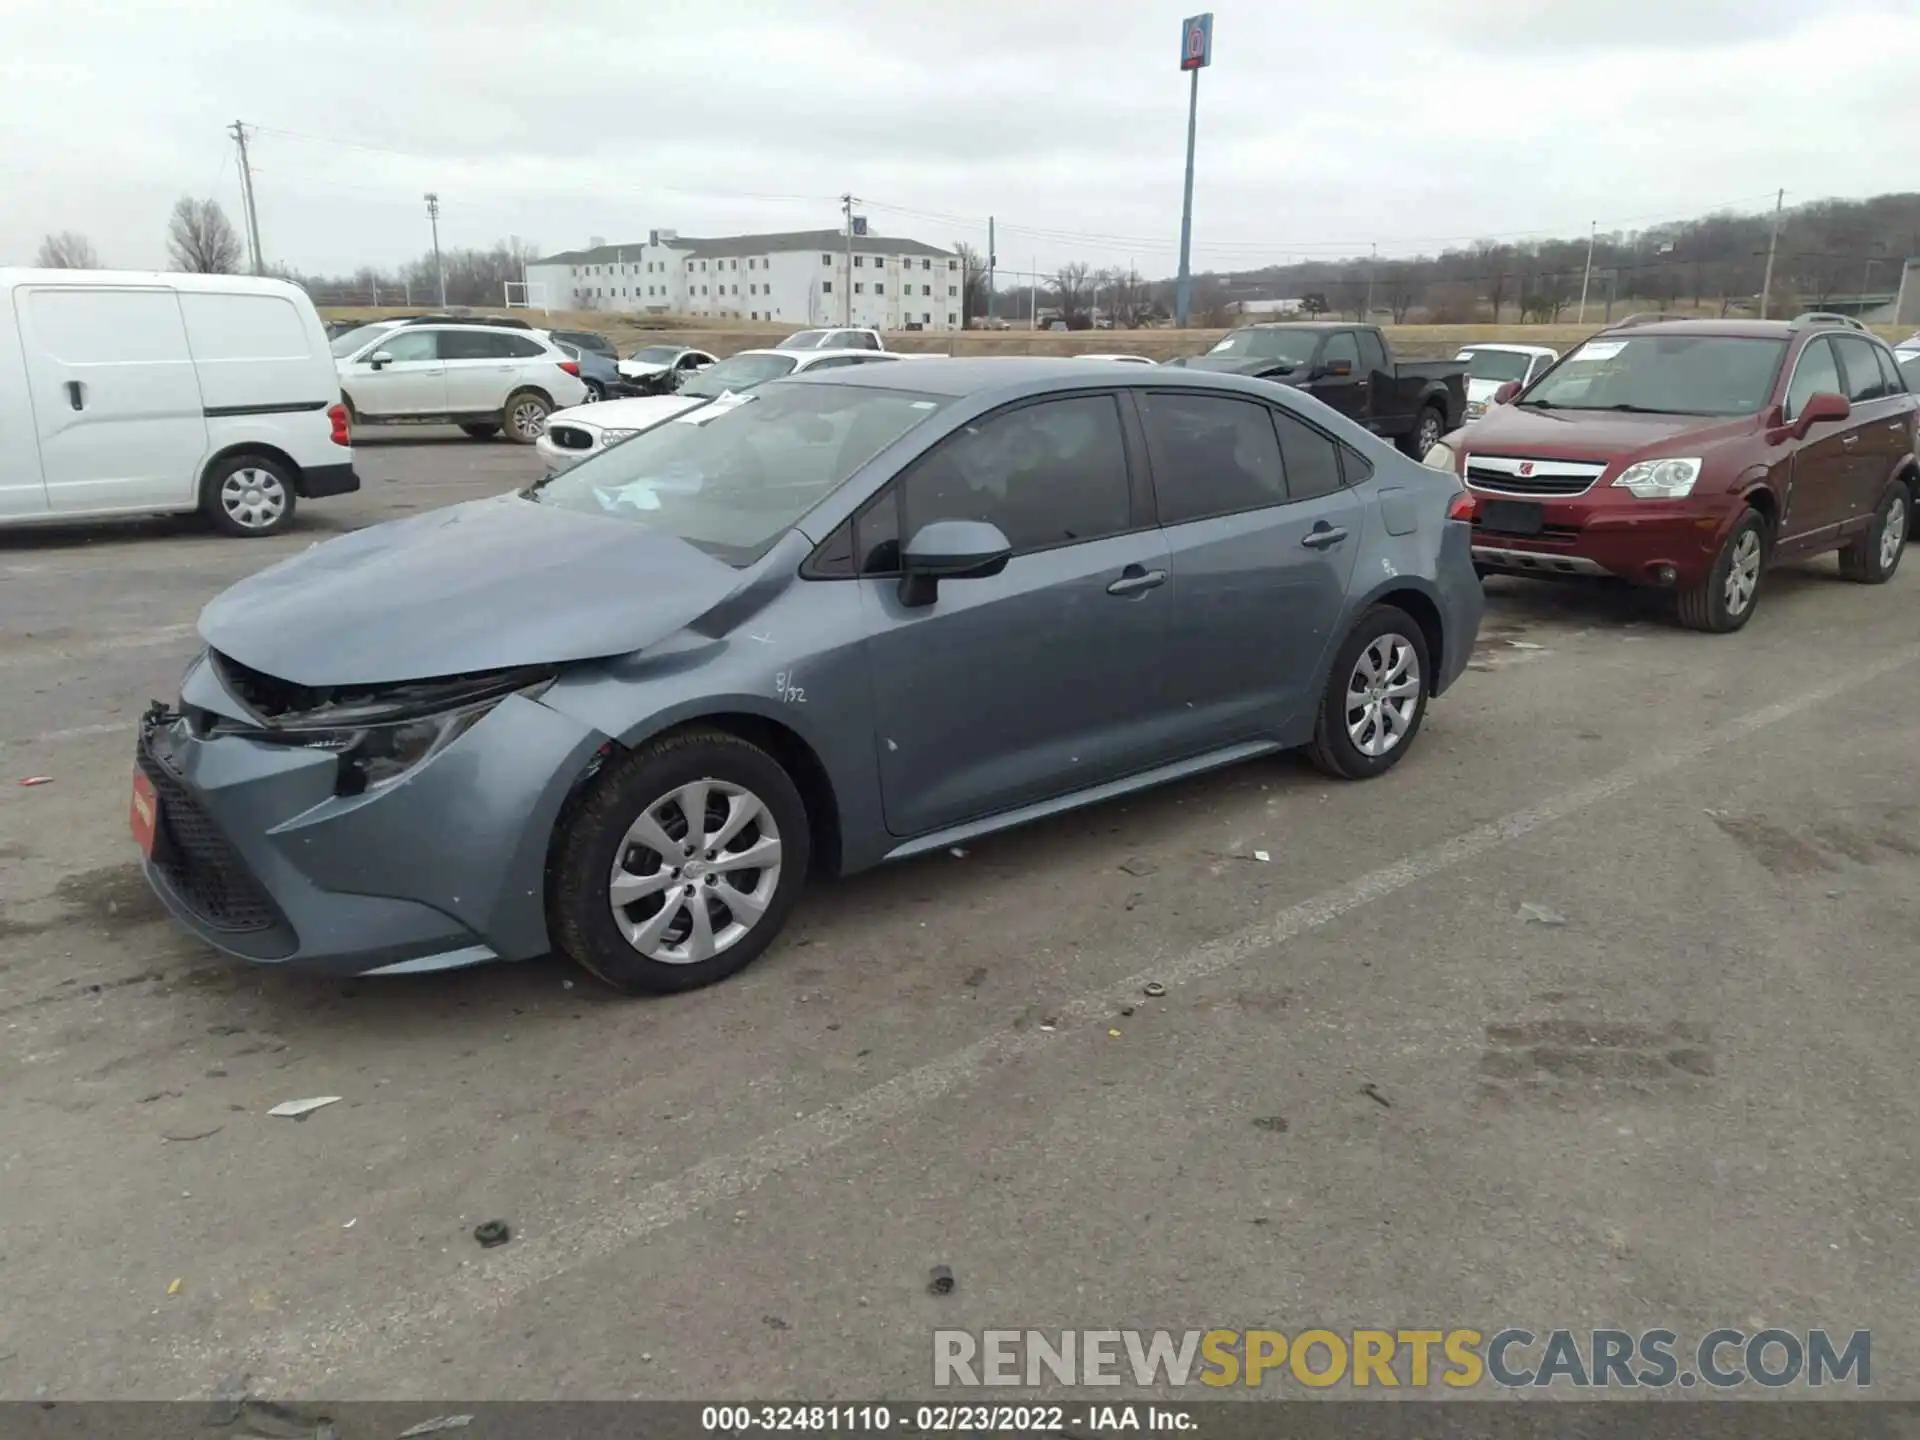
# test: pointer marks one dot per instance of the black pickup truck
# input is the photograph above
(1353, 369)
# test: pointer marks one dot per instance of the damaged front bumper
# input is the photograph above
(265, 850)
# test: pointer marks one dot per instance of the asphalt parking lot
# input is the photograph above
(1596, 1011)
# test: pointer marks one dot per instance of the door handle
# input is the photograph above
(1323, 536)
(1135, 580)
(1849, 442)
(76, 396)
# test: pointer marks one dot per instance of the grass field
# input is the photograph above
(1415, 342)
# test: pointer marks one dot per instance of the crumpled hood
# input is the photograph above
(487, 585)
(638, 369)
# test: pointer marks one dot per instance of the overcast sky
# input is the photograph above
(1323, 127)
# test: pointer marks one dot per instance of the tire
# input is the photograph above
(645, 786)
(1389, 641)
(1875, 553)
(596, 392)
(484, 431)
(249, 496)
(1428, 426)
(1714, 605)
(523, 419)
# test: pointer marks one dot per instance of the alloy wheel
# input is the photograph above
(695, 872)
(529, 418)
(1383, 694)
(253, 499)
(1743, 574)
(1428, 436)
(1893, 532)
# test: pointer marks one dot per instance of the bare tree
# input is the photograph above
(1070, 292)
(69, 250)
(200, 238)
(1132, 300)
(1492, 259)
(1400, 290)
(974, 300)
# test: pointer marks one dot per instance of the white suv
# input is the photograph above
(483, 378)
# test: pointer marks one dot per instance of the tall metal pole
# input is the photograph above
(1183, 289)
(846, 300)
(1372, 266)
(1773, 242)
(991, 259)
(1587, 276)
(256, 261)
(439, 270)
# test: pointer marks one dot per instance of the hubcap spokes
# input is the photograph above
(1383, 695)
(253, 498)
(1893, 536)
(695, 872)
(1743, 575)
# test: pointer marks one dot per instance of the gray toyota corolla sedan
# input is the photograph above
(838, 620)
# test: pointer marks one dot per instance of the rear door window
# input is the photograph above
(1865, 382)
(1211, 456)
(1373, 355)
(475, 345)
(1312, 460)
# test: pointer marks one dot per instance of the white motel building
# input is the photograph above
(802, 277)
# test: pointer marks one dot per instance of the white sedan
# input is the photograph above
(1489, 366)
(657, 366)
(583, 432)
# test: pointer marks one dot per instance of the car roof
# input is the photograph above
(1720, 329)
(1011, 376)
(1301, 325)
(177, 279)
(815, 355)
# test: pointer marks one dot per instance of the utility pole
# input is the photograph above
(239, 133)
(439, 270)
(1033, 295)
(1196, 53)
(991, 260)
(846, 300)
(1592, 232)
(1773, 243)
(1372, 266)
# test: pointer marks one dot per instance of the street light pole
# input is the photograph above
(1196, 53)
(439, 270)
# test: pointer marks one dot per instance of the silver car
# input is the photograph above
(839, 620)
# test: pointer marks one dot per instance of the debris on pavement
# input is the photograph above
(32, 780)
(774, 1322)
(1138, 866)
(351, 1223)
(174, 1288)
(1372, 1092)
(159, 1095)
(1525, 645)
(1114, 1033)
(1126, 1010)
(1537, 914)
(300, 1109)
(1153, 989)
(1262, 856)
(434, 1426)
(491, 1233)
(181, 1137)
(1277, 1124)
(1049, 1024)
(976, 977)
(940, 1280)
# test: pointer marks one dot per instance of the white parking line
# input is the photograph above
(76, 732)
(302, 1356)
(134, 640)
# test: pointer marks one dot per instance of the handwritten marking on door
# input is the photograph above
(785, 689)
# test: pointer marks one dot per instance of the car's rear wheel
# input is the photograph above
(524, 416)
(1875, 553)
(484, 431)
(1427, 429)
(248, 495)
(596, 392)
(1375, 699)
(1724, 599)
(681, 865)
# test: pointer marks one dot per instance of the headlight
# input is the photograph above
(1440, 456)
(1475, 409)
(614, 437)
(378, 755)
(1660, 479)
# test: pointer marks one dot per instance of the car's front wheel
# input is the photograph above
(681, 864)
(1375, 699)
(1724, 599)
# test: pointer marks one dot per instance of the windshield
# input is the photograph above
(1296, 346)
(656, 354)
(1501, 365)
(733, 476)
(1664, 375)
(805, 340)
(742, 372)
(345, 344)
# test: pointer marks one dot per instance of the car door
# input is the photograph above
(1261, 536)
(1047, 677)
(1880, 432)
(411, 380)
(1347, 392)
(116, 398)
(1379, 384)
(482, 368)
(1820, 487)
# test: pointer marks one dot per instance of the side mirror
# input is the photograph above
(1337, 368)
(1504, 395)
(1826, 405)
(950, 550)
(380, 359)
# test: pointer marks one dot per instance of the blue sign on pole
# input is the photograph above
(1196, 42)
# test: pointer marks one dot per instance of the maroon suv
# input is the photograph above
(1690, 454)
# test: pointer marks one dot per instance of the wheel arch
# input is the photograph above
(238, 448)
(1403, 592)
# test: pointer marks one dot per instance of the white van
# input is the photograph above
(128, 393)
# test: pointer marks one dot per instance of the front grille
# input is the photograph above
(570, 437)
(1504, 475)
(197, 860)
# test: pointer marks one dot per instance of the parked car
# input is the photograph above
(1829, 317)
(576, 435)
(1691, 455)
(124, 393)
(1491, 365)
(586, 340)
(1907, 356)
(1353, 369)
(854, 616)
(1122, 359)
(482, 378)
(337, 328)
(600, 375)
(497, 322)
(659, 369)
(843, 339)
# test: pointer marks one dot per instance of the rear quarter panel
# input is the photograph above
(1411, 549)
